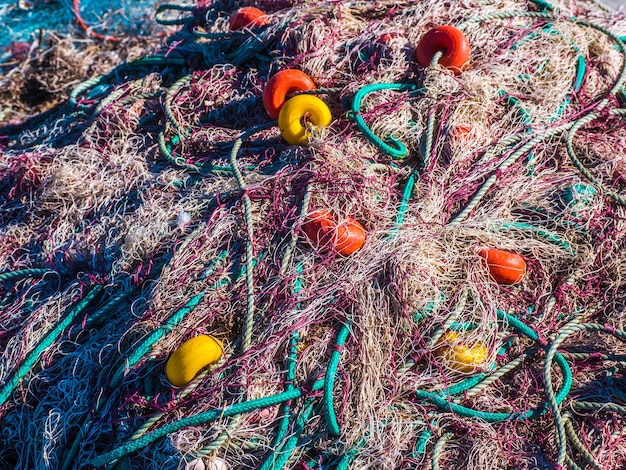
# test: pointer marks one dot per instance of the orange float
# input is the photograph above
(285, 81)
(505, 267)
(448, 40)
(323, 231)
(462, 133)
(249, 17)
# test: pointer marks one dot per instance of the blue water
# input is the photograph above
(105, 16)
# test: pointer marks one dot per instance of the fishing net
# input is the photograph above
(433, 280)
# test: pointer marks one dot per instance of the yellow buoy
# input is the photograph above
(191, 357)
(459, 356)
(293, 117)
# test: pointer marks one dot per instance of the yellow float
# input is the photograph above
(293, 117)
(458, 356)
(191, 357)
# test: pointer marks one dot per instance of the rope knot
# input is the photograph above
(609, 328)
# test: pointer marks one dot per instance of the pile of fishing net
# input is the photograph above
(419, 264)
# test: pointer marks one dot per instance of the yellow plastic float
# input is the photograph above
(191, 357)
(294, 114)
(460, 357)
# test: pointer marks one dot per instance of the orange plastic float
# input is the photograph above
(505, 267)
(448, 40)
(250, 17)
(459, 356)
(285, 81)
(462, 133)
(191, 357)
(323, 232)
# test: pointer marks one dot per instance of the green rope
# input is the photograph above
(173, 7)
(569, 143)
(199, 419)
(23, 273)
(393, 147)
(579, 446)
(146, 345)
(554, 398)
(540, 232)
(167, 104)
(503, 166)
(329, 382)
(31, 359)
(551, 355)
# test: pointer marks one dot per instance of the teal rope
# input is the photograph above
(569, 144)
(146, 345)
(393, 147)
(174, 7)
(441, 402)
(199, 419)
(284, 454)
(551, 355)
(348, 457)
(50, 338)
(329, 382)
(540, 232)
(22, 273)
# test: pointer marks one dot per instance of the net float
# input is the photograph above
(505, 267)
(323, 232)
(448, 40)
(277, 87)
(459, 356)
(293, 117)
(191, 357)
(248, 17)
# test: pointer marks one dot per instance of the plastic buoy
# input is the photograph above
(459, 356)
(249, 17)
(323, 231)
(505, 267)
(294, 114)
(279, 85)
(448, 40)
(191, 357)
(462, 133)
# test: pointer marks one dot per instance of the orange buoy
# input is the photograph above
(349, 237)
(318, 227)
(462, 133)
(277, 87)
(323, 232)
(249, 17)
(505, 267)
(448, 40)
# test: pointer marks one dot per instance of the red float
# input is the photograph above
(285, 81)
(448, 40)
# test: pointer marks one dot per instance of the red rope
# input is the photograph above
(90, 32)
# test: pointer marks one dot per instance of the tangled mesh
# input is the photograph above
(159, 203)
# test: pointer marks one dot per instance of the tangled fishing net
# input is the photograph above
(480, 325)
